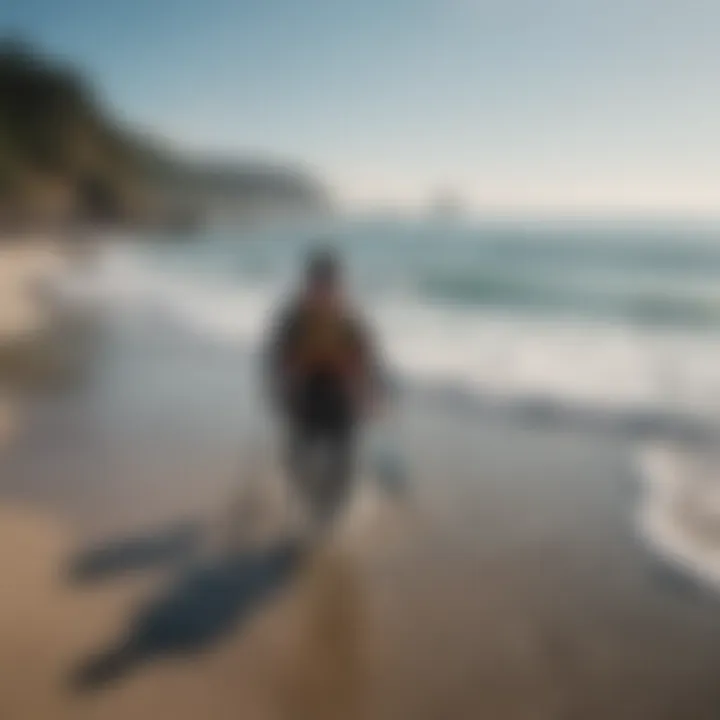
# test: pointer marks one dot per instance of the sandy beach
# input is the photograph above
(511, 582)
(470, 249)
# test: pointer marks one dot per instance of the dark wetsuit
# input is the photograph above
(320, 362)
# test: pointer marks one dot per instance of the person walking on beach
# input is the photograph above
(324, 381)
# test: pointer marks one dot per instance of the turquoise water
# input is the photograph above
(661, 277)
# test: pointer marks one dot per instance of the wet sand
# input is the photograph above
(510, 583)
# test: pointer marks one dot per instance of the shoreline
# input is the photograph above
(515, 557)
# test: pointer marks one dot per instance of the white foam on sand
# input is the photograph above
(680, 512)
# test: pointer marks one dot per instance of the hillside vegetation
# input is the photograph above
(64, 159)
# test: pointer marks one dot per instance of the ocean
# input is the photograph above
(596, 317)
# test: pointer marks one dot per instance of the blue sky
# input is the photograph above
(586, 105)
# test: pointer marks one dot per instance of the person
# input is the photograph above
(324, 380)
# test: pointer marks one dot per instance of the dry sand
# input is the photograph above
(299, 657)
(43, 624)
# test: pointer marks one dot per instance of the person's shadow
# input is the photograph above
(206, 600)
(171, 546)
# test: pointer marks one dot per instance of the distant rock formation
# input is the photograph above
(63, 159)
